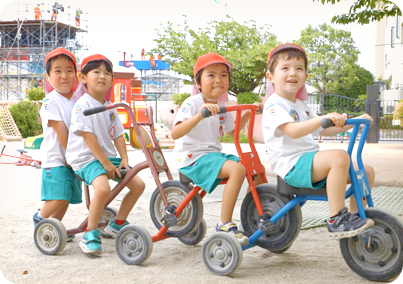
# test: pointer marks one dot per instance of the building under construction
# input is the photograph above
(23, 47)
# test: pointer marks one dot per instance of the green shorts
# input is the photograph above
(205, 170)
(300, 175)
(95, 169)
(60, 183)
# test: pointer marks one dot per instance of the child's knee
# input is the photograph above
(239, 170)
(103, 192)
(137, 185)
(342, 158)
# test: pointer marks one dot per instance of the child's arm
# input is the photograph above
(245, 117)
(180, 129)
(299, 129)
(93, 145)
(333, 130)
(61, 130)
(120, 145)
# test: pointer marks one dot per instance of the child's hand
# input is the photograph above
(366, 116)
(110, 170)
(338, 120)
(213, 108)
(124, 164)
(260, 105)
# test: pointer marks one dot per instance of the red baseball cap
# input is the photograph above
(59, 51)
(282, 47)
(95, 57)
(209, 59)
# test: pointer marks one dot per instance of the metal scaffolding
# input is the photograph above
(23, 47)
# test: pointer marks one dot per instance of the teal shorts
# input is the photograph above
(60, 183)
(300, 175)
(205, 170)
(95, 169)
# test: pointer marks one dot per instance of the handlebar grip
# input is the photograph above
(94, 110)
(206, 113)
(326, 123)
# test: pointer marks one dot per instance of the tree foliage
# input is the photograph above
(331, 56)
(354, 83)
(36, 94)
(365, 11)
(25, 115)
(245, 46)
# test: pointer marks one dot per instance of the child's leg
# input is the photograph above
(101, 194)
(136, 186)
(59, 214)
(235, 172)
(371, 180)
(333, 164)
(50, 207)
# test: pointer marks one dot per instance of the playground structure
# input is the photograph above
(126, 88)
(157, 78)
(8, 129)
(23, 47)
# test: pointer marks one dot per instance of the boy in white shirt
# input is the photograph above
(288, 125)
(59, 184)
(92, 154)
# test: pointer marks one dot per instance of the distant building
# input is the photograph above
(389, 57)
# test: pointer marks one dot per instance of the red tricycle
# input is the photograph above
(23, 160)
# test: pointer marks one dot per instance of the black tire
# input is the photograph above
(50, 236)
(287, 228)
(384, 260)
(190, 218)
(108, 214)
(195, 237)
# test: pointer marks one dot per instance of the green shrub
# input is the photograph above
(25, 115)
(248, 98)
(178, 99)
(229, 139)
(36, 94)
(386, 122)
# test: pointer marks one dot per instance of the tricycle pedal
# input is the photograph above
(169, 220)
(366, 234)
(265, 224)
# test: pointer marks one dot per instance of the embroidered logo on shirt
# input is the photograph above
(294, 115)
(77, 109)
(112, 131)
(112, 116)
(190, 155)
(185, 106)
(46, 104)
(271, 109)
(307, 113)
(222, 117)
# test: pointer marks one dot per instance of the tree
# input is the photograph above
(366, 11)
(354, 84)
(245, 46)
(331, 56)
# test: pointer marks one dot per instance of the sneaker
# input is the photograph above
(37, 219)
(113, 229)
(231, 228)
(91, 242)
(347, 225)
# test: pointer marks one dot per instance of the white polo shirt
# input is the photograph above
(203, 138)
(106, 126)
(284, 151)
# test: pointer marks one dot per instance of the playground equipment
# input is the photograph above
(23, 160)
(271, 217)
(182, 214)
(8, 129)
(33, 142)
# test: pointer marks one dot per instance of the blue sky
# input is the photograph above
(130, 25)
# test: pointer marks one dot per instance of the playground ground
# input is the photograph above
(313, 258)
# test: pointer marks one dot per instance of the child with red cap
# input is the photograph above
(92, 154)
(197, 147)
(288, 125)
(59, 185)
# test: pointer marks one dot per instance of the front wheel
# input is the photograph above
(50, 236)
(286, 229)
(379, 258)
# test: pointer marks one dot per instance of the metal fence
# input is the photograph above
(389, 129)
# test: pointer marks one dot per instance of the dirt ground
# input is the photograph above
(313, 258)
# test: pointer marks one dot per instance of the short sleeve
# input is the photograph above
(119, 130)
(274, 115)
(229, 123)
(50, 111)
(187, 110)
(80, 122)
